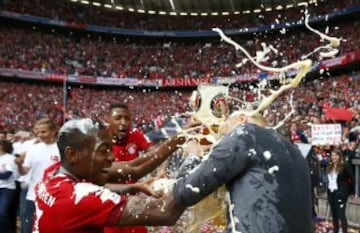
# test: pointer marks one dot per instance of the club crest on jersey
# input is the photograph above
(131, 148)
(55, 158)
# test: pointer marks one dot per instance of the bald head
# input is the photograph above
(241, 117)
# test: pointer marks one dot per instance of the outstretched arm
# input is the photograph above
(141, 166)
(151, 212)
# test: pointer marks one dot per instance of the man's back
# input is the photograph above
(274, 193)
(267, 179)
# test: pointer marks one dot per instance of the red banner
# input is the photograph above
(185, 82)
(56, 77)
(338, 114)
(87, 79)
(330, 63)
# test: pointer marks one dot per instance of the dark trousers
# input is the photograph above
(22, 208)
(28, 220)
(6, 210)
(338, 210)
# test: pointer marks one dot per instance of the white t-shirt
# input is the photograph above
(7, 163)
(39, 157)
(25, 146)
(17, 146)
(332, 177)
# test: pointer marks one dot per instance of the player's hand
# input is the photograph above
(141, 187)
(146, 187)
(192, 147)
(19, 160)
(192, 122)
(119, 171)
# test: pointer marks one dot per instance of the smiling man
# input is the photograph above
(72, 197)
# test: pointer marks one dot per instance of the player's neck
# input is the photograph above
(66, 172)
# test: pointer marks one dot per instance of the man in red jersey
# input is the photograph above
(71, 197)
(128, 142)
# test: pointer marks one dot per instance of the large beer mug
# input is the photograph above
(210, 106)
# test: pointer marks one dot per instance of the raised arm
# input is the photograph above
(141, 166)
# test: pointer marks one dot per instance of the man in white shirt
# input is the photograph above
(39, 157)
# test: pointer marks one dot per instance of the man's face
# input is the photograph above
(119, 121)
(45, 134)
(96, 158)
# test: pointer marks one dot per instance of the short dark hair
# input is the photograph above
(75, 138)
(7, 146)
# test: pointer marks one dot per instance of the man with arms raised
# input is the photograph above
(71, 197)
(128, 143)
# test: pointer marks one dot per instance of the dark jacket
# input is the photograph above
(344, 181)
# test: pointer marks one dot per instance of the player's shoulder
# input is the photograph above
(35, 147)
(136, 131)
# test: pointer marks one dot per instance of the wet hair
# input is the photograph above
(6, 146)
(74, 133)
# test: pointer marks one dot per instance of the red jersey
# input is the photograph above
(136, 142)
(64, 204)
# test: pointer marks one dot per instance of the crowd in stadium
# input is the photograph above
(118, 57)
(36, 100)
(88, 14)
(121, 58)
(72, 53)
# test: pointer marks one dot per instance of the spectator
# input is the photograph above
(37, 159)
(338, 174)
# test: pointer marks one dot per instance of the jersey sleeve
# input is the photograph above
(228, 159)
